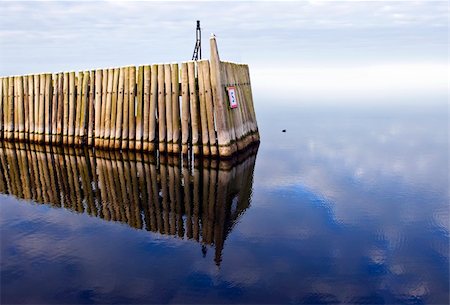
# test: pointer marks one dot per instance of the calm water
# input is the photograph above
(348, 206)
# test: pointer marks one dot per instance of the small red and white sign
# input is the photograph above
(232, 96)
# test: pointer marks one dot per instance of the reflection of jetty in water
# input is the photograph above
(166, 195)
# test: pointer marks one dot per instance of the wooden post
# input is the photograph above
(91, 109)
(152, 138)
(60, 110)
(168, 102)
(84, 108)
(10, 116)
(119, 113)
(20, 109)
(146, 108)
(139, 107)
(15, 129)
(31, 101)
(161, 110)
(185, 109)
(65, 124)
(103, 109)
(41, 113)
(209, 108)
(72, 108)
(203, 117)
(175, 109)
(226, 144)
(125, 116)
(112, 127)
(78, 115)
(48, 108)
(98, 106)
(195, 113)
(54, 107)
(1, 108)
(105, 141)
(131, 109)
(26, 102)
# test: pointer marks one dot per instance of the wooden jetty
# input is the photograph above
(200, 201)
(200, 107)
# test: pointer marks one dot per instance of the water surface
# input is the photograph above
(348, 205)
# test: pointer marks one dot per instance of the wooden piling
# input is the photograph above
(139, 107)
(146, 108)
(209, 107)
(175, 109)
(20, 109)
(195, 113)
(119, 114)
(107, 130)
(1, 107)
(152, 133)
(131, 108)
(125, 116)
(122, 108)
(72, 109)
(226, 145)
(84, 114)
(30, 107)
(48, 107)
(168, 103)
(113, 115)
(161, 110)
(66, 93)
(26, 103)
(54, 108)
(185, 109)
(91, 110)
(103, 108)
(203, 116)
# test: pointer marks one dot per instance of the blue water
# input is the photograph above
(349, 205)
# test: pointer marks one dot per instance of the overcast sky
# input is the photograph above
(362, 48)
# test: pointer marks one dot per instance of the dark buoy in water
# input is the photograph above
(284, 130)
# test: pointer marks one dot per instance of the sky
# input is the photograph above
(320, 50)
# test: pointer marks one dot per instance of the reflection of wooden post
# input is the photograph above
(165, 197)
(187, 200)
(225, 142)
(196, 204)
(155, 198)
